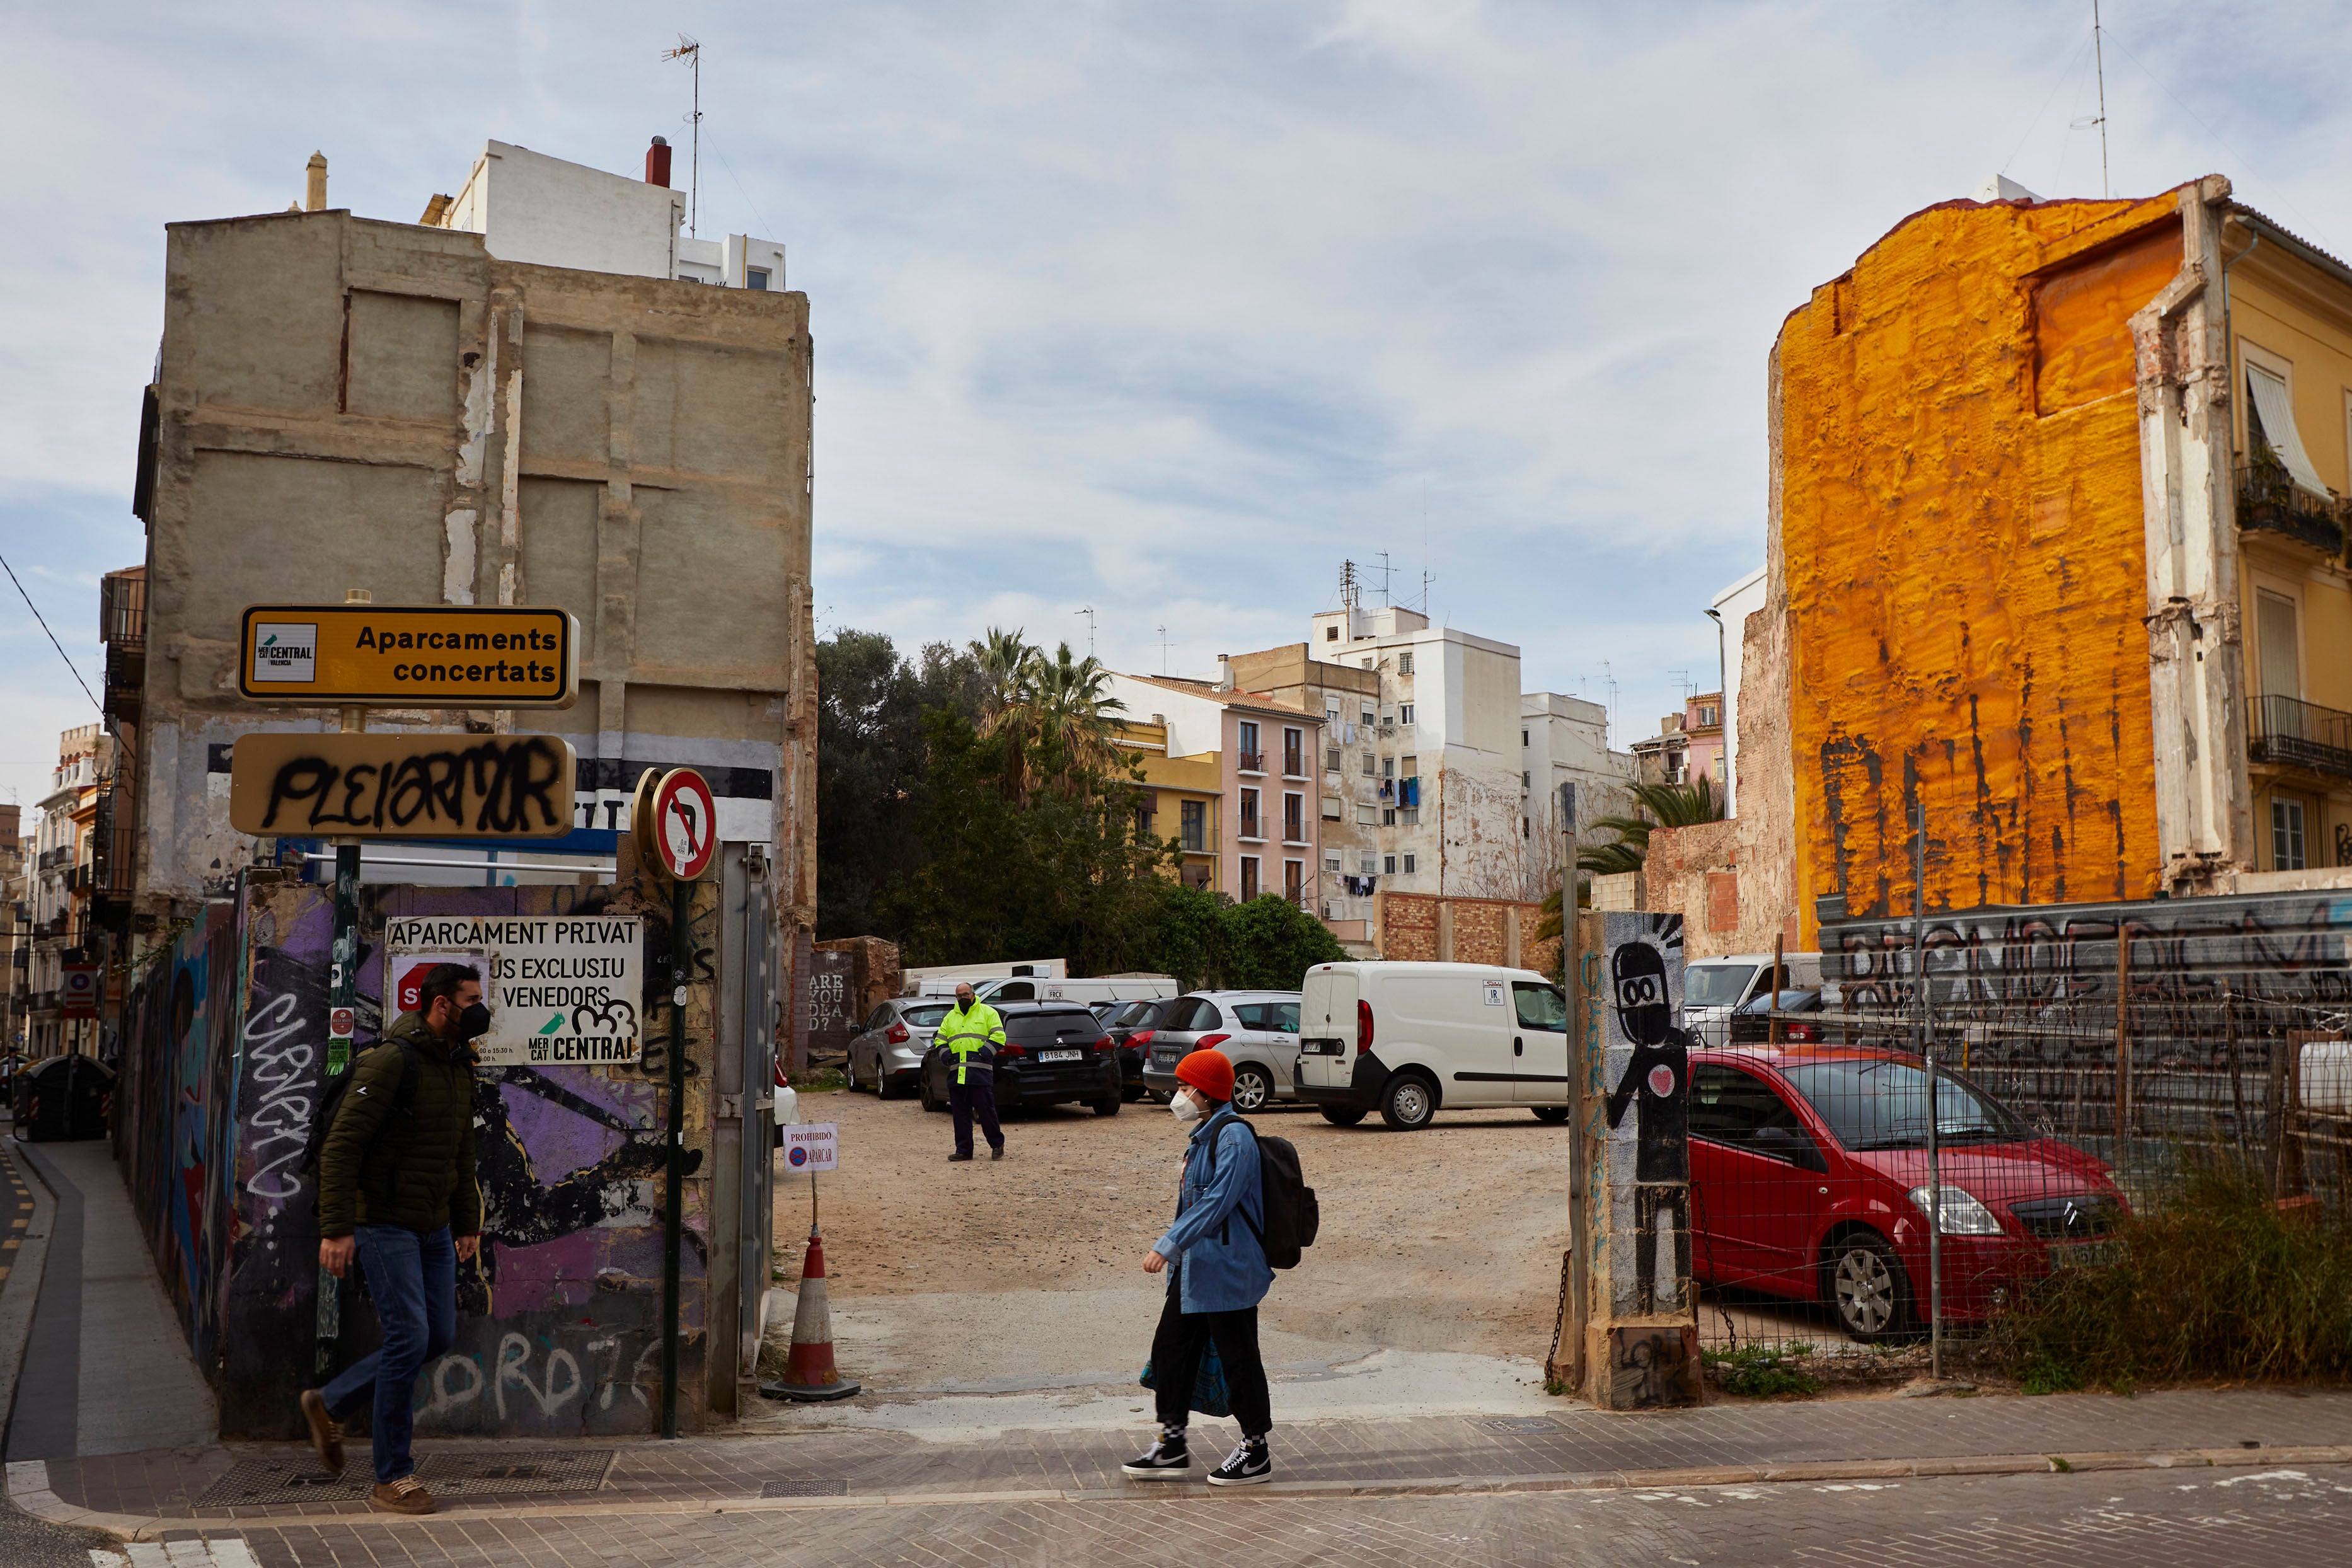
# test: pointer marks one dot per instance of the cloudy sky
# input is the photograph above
(1163, 308)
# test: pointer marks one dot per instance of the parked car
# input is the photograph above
(887, 1056)
(1405, 1039)
(1752, 1024)
(1809, 1178)
(1053, 1053)
(1257, 1029)
(1132, 1029)
(1714, 988)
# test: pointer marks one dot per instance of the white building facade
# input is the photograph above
(1732, 608)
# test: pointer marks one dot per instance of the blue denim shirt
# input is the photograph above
(1223, 1267)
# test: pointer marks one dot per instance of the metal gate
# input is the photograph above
(742, 1220)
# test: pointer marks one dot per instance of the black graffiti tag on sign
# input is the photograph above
(420, 786)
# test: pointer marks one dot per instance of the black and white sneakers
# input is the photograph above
(1245, 1466)
(1169, 1458)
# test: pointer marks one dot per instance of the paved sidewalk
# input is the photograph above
(143, 1495)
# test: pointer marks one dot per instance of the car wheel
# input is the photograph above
(1866, 1287)
(1252, 1089)
(1342, 1116)
(931, 1101)
(1410, 1104)
(1109, 1105)
(1554, 1114)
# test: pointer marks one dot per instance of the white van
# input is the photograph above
(1405, 1039)
(1714, 988)
(1045, 988)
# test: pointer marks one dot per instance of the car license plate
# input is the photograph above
(2085, 1254)
(1059, 1056)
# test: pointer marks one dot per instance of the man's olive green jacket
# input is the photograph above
(412, 1167)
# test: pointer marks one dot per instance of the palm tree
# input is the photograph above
(1071, 702)
(1657, 805)
(1006, 661)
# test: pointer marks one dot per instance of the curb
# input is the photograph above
(29, 1488)
(22, 1292)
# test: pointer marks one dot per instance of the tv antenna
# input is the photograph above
(691, 53)
(1088, 611)
(1164, 646)
(1683, 680)
(1385, 573)
(1350, 592)
(1610, 681)
(2099, 53)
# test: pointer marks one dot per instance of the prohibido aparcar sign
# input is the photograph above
(562, 990)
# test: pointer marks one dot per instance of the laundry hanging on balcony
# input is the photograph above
(1409, 791)
(1357, 887)
(2276, 412)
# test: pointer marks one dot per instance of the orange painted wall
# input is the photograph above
(1960, 535)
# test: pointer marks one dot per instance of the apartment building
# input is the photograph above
(15, 930)
(1259, 832)
(64, 843)
(1564, 739)
(1183, 798)
(1689, 745)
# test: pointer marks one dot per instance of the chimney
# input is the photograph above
(314, 189)
(1225, 673)
(658, 163)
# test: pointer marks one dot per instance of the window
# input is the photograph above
(1253, 760)
(1294, 880)
(1194, 1013)
(2286, 834)
(1526, 828)
(1408, 863)
(755, 278)
(1706, 715)
(1330, 808)
(1331, 757)
(1523, 737)
(1729, 1106)
(1249, 814)
(1388, 767)
(1408, 814)
(1368, 764)
(1332, 863)
(1527, 780)
(1143, 819)
(1389, 864)
(1367, 814)
(1294, 753)
(1367, 865)
(1331, 633)
(1192, 817)
(1249, 877)
(1404, 664)
(1405, 713)
(1409, 769)
(2276, 645)
(1369, 718)
(1294, 818)
(1387, 817)
(1368, 664)
(1540, 1008)
(2272, 422)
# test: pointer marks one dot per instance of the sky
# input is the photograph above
(1164, 309)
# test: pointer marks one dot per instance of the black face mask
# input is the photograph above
(474, 1021)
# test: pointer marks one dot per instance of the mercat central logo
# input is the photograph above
(552, 1024)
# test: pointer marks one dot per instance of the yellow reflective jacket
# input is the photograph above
(970, 1037)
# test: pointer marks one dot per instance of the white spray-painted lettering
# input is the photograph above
(281, 1124)
(514, 1366)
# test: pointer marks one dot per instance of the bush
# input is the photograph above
(2219, 1283)
(1757, 1373)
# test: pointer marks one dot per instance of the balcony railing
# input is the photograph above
(2269, 501)
(2294, 734)
(1252, 762)
(122, 609)
(1293, 764)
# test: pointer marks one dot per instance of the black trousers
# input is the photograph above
(964, 1099)
(1176, 1360)
(1653, 1291)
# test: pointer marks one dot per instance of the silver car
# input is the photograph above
(886, 1055)
(1257, 1030)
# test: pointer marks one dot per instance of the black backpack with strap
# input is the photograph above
(331, 1101)
(1292, 1215)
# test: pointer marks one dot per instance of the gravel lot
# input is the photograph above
(1448, 1239)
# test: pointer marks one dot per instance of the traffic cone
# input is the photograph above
(809, 1373)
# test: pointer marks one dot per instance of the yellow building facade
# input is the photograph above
(2057, 553)
(1184, 797)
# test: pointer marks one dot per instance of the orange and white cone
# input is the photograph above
(809, 1372)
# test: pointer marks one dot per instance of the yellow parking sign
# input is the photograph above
(410, 656)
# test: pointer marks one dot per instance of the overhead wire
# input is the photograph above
(53, 637)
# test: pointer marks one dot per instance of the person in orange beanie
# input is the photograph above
(1217, 1275)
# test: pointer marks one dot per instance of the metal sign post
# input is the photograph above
(1926, 1045)
(1578, 1306)
(677, 835)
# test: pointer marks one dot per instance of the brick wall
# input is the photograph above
(1420, 927)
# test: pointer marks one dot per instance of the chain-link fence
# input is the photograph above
(2090, 1061)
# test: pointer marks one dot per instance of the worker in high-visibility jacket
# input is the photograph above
(969, 1035)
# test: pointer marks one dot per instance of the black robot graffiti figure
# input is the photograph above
(1656, 1082)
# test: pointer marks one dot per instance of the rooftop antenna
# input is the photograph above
(691, 53)
(1426, 579)
(1089, 613)
(1164, 646)
(1350, 593)
(1683, 680)
(2099, 52)
(1385, 573)
(1610, 681)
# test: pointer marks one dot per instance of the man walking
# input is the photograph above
(398, 1188)
(1220, 1275)
(970, 1035)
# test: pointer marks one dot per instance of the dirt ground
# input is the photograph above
(1448, 1239)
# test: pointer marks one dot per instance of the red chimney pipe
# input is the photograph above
(658, 163)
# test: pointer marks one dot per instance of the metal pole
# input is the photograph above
(1925, 1039)
(1571, 974)
(342, 1008)
(674, 1206)
(2122, 1036)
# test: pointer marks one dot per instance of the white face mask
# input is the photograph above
(1184, 1108)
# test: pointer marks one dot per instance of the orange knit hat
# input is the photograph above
(1210, 1071)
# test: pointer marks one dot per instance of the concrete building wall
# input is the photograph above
(1733, 606)
(550, 212)
(350, 403)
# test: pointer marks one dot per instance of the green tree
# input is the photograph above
(1657, 805)
(1271, 943)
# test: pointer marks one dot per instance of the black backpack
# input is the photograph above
(1292, 1215)
(331, 1101)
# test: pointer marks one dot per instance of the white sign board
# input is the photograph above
(563, 989)
(1494, 989)
(812, 1147)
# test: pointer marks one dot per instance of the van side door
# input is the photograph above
(1538, 1044)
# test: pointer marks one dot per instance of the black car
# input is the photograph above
(1130, 1032)
(1753, 1024)
(1053, 1053)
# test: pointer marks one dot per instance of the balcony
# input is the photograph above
(1252, 762)
(2272, 504)
(1293, 764)
(2286, 732)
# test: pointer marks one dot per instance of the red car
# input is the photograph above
(1808, 1179)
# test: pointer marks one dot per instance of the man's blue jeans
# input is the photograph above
(413, 1280)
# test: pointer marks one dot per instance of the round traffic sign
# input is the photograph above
(683, 823)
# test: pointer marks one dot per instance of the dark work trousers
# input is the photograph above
(964, 1099)
(1653, 1291)
(1176, 1360)
(413, 1280)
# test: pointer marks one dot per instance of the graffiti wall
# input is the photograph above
(175, 1129)
(559, 1319)
(1644, 1163)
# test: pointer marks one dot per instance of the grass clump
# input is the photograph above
(2217, 1283)
(1760, 1374)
